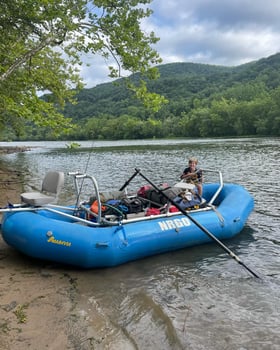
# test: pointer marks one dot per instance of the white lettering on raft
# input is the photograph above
(176, 223)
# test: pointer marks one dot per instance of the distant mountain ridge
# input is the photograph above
(177, 82)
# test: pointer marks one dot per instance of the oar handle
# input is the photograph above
(204, 229)
(130, 179)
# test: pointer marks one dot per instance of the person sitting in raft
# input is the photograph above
(193, 175)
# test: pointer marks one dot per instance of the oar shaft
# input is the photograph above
(204, 229)
(129, 180)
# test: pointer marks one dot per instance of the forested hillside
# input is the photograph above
(204, 101)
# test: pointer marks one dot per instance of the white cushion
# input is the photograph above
(185, 185)
(36, 198)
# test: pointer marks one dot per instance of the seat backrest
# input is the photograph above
(53, 182)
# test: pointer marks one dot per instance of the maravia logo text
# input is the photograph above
(176, 223)
(57, 241)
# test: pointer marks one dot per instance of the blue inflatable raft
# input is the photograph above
(78, 236)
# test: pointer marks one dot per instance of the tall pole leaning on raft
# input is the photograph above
(204, 229)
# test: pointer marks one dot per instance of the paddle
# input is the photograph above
(128, 181)
(204, 229)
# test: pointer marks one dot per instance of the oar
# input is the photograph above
(204, 229)
(128, 181)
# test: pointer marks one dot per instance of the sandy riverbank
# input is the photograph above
(11, 184)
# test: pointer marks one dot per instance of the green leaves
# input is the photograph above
(41, 48)
(151, 101)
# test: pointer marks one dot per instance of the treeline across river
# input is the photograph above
(242, 110)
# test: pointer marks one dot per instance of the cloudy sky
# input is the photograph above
(222, 32)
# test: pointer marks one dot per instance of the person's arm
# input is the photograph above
(185, 174)
(200, 176)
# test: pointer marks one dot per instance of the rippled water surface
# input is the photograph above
(197, 298)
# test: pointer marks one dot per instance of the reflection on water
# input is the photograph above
(195, 298)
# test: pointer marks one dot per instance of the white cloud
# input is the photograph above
(226, 32)
(216, 31)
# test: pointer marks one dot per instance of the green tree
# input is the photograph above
(41, 48)
(273, 116)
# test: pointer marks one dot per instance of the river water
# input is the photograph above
(198, 298)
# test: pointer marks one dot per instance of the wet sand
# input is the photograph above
(36, 305)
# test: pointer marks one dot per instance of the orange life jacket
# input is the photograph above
(94, 207)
